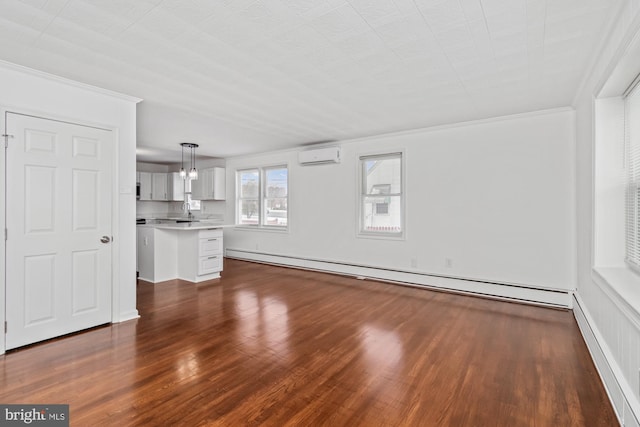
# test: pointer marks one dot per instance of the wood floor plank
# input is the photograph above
(273, 346)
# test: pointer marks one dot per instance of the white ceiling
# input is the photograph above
(242, 76)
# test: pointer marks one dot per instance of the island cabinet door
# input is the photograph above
(209, 251)
(210, 246)
(210, 264)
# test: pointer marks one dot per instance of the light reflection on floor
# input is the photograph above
(383, 354)
(263, 322)
(187, 366)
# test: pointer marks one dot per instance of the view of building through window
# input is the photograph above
(381, 194)
(249, 197)
(275, 198)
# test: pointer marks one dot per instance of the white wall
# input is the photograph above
(28, 91)
(496, 197)
(611, 322)
(609, 183)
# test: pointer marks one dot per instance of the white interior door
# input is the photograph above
(59, 196)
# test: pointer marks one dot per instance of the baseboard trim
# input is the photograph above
(507, 292)
(625, 405)
(126, 316)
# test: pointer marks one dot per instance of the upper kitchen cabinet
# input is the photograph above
(210, 185)
(176, 187)
(159, 186)
(144, 178)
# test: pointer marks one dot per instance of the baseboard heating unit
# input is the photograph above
(557, 298)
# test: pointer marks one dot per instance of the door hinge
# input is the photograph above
(6, 137)
(5, 327)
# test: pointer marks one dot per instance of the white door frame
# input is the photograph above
(115, 219)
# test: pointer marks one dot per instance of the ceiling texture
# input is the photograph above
(245, 76)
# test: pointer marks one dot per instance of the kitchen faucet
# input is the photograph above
(187, 206)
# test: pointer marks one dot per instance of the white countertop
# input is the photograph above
(186, 226)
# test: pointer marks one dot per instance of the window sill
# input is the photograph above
(399, 237)
(282, 230)
(623, 285)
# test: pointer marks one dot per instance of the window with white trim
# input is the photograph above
(381, 195)
(262, 197)
(275, 198)
(248, 197)
(632, 156)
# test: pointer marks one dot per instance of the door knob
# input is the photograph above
(105, 239)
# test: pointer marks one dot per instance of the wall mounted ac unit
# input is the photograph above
(319, 156)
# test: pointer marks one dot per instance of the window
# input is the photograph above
(632, 190)
(381, 199)
(263, 197)
(275, 196)
(248, 197)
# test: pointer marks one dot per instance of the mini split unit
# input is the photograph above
(319, 156)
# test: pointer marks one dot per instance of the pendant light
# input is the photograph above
(193, 172)
(183, 173)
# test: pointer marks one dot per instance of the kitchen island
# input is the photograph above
(191, 251)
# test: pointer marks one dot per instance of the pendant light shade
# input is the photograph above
(193, 172)
(183, 173)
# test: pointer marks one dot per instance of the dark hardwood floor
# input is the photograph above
(273, 346)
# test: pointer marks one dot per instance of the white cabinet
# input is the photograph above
(176, 187)
(209, 252)
(159, 186)
(200, 254)
(157, 250)
(145, 185)
(137, 251)
(145, 253)
(209, 265)
(210, 185)
(167, 254)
